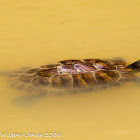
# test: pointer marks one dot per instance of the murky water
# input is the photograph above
(38, 32)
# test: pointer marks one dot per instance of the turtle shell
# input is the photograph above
(73, 75)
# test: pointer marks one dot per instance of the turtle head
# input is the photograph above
(134, 66)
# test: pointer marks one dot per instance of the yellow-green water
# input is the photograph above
(38, 32)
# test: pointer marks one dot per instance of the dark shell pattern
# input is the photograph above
(73, 75)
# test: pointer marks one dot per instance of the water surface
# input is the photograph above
(38, 32)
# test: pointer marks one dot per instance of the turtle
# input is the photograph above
(74, 76)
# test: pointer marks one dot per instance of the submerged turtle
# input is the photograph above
(72, 76)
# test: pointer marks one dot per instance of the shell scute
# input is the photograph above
(31, 71)
(48, 72)
(66, 69)
(104, 76)
(71, 62)
(64, 80)
(50, 66)
(97, 61)
(26, 78)
(104, 66)
(90, 79)
(79, 81)
(85, 67)
(101, 64)
(57, 82)
(40, 81)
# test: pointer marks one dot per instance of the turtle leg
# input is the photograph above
(25, 101)
(137, 80)
(28, 100)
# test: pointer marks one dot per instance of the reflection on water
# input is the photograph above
(34, 33)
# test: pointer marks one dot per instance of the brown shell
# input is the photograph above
(75, 75)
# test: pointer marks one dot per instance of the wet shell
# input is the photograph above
(75, 75)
